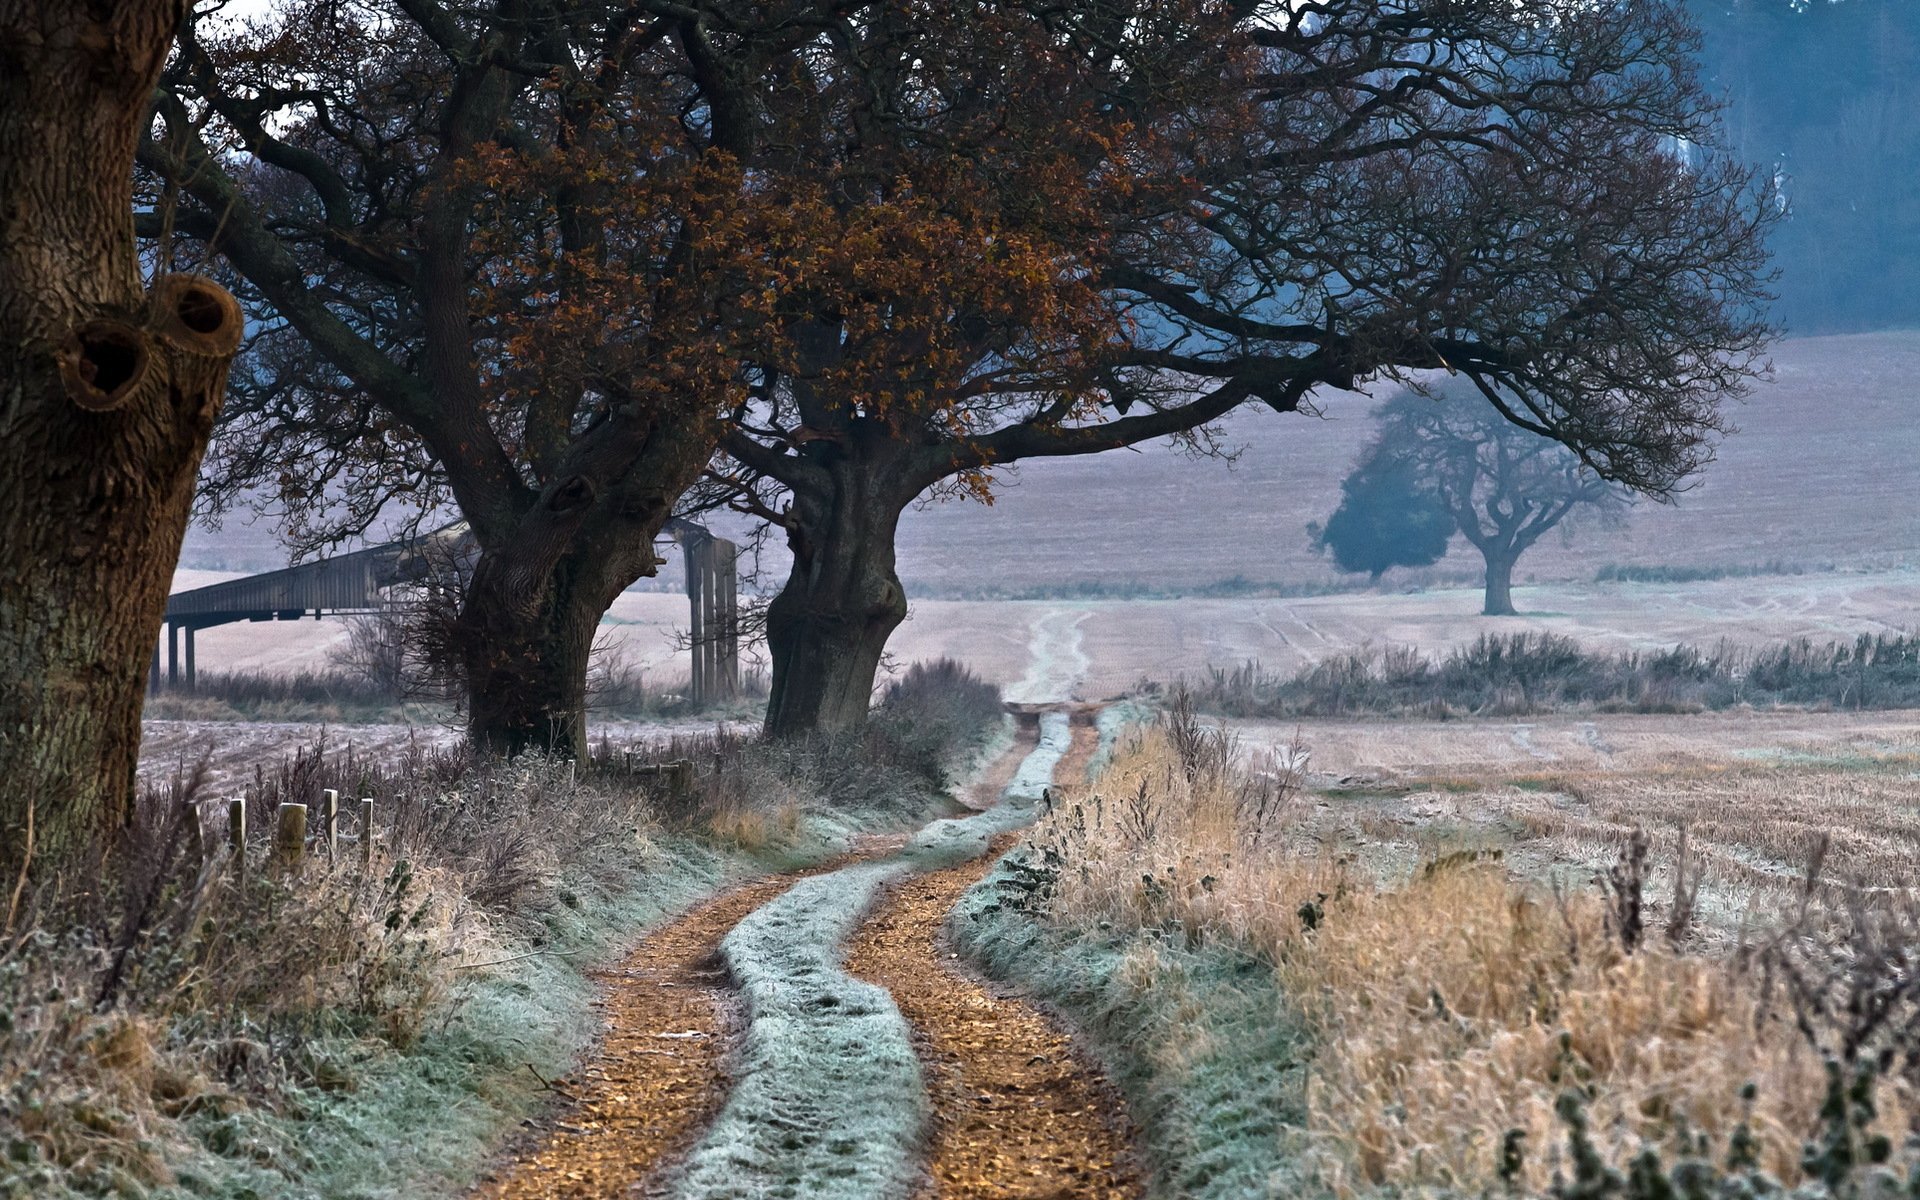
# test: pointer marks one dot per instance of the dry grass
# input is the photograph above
(148, 996)
(1453, 1002)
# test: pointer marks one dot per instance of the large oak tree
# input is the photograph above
(108, 389)
(1526, 195)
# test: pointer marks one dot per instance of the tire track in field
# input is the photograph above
(1010, 1107)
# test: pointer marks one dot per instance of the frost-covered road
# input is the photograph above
(867, 1064)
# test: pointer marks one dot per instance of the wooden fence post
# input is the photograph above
(195, 831)
(680, 778)
(330, 822)
(693, 551)
(366, 833)
(289, 836)
(237, 835)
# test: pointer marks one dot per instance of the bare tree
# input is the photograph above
(108, 390)
(1502, 486)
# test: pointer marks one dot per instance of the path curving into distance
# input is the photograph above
(854, 1058)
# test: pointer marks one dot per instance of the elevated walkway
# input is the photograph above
(345, 583)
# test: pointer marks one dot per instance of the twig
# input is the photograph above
(552, 1087)
(498, 962)
(26, 861)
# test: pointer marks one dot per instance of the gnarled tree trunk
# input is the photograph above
(108, 392)
(526, 663)
(828, 627)
(525, 635)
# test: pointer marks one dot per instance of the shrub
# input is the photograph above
(1537, 672)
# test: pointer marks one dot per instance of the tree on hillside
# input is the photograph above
(1364, 190)
(1387, 518)
(1502, 486)
(108, 389)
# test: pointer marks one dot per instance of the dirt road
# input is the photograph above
(1008, 1105)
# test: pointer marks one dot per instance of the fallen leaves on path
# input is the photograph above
(1020, 1112)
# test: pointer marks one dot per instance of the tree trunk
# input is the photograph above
(828, 627)
(1499, 584)
(527, 675)
(526, 630)
(107, 396)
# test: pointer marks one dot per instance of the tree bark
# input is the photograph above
(525, 634)
(828, 627)
(108, 392)
(1499, 601)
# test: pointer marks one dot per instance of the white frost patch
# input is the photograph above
(1057, 662)
(1109, 724)
(828, 1099)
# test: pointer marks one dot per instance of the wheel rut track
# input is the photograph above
(659, 1075)
(1018, 1109)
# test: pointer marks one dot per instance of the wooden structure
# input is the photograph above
(353, 583)
(346, 583)
(713, 594)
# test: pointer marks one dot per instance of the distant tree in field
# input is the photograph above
(108, 388)
(1502, 486)
(1387, 518)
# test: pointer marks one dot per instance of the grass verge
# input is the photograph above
(1462, 1031)
(171, 1026)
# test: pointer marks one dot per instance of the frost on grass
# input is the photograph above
(828, 1100)
(1110, 723)
(1036, 770)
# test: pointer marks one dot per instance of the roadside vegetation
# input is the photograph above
(193, 1030)
(339, 695)
(1522, 673)
(1456, 1027)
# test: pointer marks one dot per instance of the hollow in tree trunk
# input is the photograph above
(108, 392)
(828, 628)
(1499, 601)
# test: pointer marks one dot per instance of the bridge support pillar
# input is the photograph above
(190, 676)
(173, 655)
